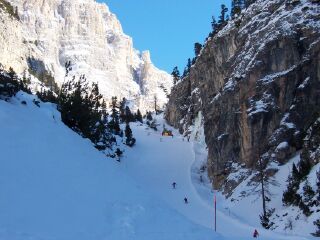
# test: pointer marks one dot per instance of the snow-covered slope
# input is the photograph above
(90, 36)
(55, 186)
(156, 162)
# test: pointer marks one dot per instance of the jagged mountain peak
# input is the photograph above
(52, 32)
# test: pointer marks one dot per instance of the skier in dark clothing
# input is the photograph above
(174, 185)
(186, 200)
(255, 233)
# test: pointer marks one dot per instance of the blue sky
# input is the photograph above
(168, 28)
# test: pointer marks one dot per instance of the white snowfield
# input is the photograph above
(156, 162)
(55, 186)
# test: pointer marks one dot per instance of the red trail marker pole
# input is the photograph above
(215, 212)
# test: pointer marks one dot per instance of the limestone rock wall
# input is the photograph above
(12, 54)
(257, 83)
(89, 35)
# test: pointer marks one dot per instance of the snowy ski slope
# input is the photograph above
(55, 186)
(156, 161)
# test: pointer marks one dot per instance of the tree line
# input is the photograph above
(82, 108)
(309, 198)
(10, 83)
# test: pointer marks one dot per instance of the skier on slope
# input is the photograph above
(255, 234)
(174, 185)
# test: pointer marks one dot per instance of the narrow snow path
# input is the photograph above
(156, 162)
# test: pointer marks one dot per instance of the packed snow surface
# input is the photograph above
(156, 162)
(55, 186)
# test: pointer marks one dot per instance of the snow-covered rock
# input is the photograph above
(256, 82)
(91, 37)
(258, 85)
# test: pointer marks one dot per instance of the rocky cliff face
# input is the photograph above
(86, 33)
(257, 84)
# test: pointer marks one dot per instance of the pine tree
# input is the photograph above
(262, 181)
(187, 68)
(175, 75)
(104, 113)
(236, 6)
(26, 80)
(122, 109)
(47, 96)
(214, 25)
(10, 83)
(304, 168)
(118, 153)
(98, 119)
(305, 208)
(189, 65)
(12, 74)
(222, 17)
(290, 195)
(295, 174)
(68, 67)
(227, 18)
(129, 117)
(317, 224)
(139, 116)
(130, 140)
(233, 6)
(318, 189)
(82, 111)
(99, 136)
(308, 192)
(265, 219)
(149, 116)
(114, 123)
(197, 48)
